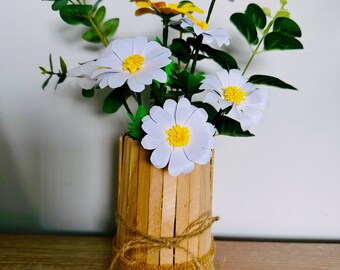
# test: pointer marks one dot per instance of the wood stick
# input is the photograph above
(168, 215)
(143, 197)
(155, 208)
(182, 215)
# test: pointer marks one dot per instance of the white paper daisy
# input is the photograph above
(84, 72)
(232, 89)
(136, 61)
(179, 136)
(220, 35)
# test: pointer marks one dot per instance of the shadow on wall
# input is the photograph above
(17, 212)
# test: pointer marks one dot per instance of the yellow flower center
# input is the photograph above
(178, 136)
(234, 94)
(202, 24)
(133, 63)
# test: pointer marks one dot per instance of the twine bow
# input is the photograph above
(155, 243)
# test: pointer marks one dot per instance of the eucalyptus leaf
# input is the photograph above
(279, 41)
(115, 99)
(230, 127)
(63, 65)
(46, 82)
(91, 36)
(257, 15)
(100, 15)
(271, 81)
(109, 28)
(224, 59)
(58, 4)
(76, 14)
(287, 26)
(245, 26)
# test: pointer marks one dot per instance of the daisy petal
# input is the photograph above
(150, 143)
(135, 86)
(197, 154)
(161, 155)
(177, 162)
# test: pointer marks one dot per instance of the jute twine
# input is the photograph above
(122, 260)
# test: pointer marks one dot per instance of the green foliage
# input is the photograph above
(287, 26)
(76, 14)
(224, 59)
(230, 127)
(257, 15)
(181, 50)
(279, 41)
(116, 99)
(245, 26)
(271, 81)
(61, 74)
(208, 108)
(187, 82)
(88, 93)
(91, 16)
(135, 126)
(110, 27)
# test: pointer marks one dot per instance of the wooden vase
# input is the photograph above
(154, 204)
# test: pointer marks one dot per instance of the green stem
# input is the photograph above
(126, 106)
(265, 32)
(211, 7)
(139, 98)
(165, 31)
(103, 39)
(197, 49)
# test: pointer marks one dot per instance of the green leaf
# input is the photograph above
(51, 62)
(91, 36)
(109, 28)
(279, 41)
(96, 5)
(76, 14)
(46, 82)
(230, 127)
(100, 15)
(115, 99)
(181, 50)
(43, 70)
(88, 93)
(287, 26)
(271, 81)
(135, 126)
(224, 59)
(58, 4)
(188, 83)
(208, 108)
(257, 15)
(63, 65)
(245, 26)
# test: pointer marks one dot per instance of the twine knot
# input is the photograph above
(155, 243)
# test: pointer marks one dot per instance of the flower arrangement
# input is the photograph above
(180, 109)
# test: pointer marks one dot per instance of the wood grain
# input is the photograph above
(79, 252)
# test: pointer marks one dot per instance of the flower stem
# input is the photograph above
(139, 98)
(165, 31)
(199, 40)
(211, 7)
(126, 106)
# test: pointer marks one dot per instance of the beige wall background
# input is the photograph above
(58, 152)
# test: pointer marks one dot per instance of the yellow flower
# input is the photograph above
(162, 8)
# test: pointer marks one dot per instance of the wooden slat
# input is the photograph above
(79, 252)
(155, 209)
(194, 208)
(168, 215)
(182, 215)
(131, 209)
(143, 197)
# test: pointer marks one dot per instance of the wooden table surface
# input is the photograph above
(79, 252)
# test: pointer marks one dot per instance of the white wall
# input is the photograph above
(58, 152)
